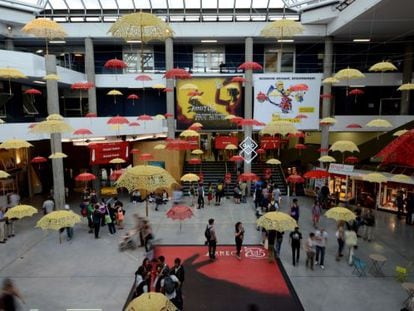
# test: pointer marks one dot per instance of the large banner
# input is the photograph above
(294, 97)
(208, 101)
(220, 142)
(102, 153)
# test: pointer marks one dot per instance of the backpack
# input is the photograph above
(169, 285)
(220, 187)
(207, 233)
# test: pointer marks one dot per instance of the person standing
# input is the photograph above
(399, 202)
(409, 205)
(8, 294)
(340, 237)
(243, 190)
(211, 237)
(276, 194)
(219, 191)
(321, 238)
(48, 205)
(310, 250)
(316, 213)
(239, 235)
(3, 237)
(110, 218)
(295, 238)
(200, 196)
(178, 271)
(279, 240)
(69, 230)
(369, 222)
(351, 241)
(96, 219)
(14, 200)
(294, 210)
(210, 191)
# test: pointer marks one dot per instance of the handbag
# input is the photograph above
(108, 219)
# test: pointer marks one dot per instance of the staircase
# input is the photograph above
(214, 171)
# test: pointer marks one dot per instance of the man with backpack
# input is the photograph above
(211, 239)
(169, 285)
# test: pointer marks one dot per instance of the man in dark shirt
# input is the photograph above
(295, 238)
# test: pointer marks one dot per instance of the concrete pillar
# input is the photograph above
(9, 44)
(327, 88)
(169, 64)
(407, 75)
(55, 139)
(248, 95)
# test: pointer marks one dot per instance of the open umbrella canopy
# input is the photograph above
(349, 74)
(52, 126)
(145, 177)
(344, 145)
(279, 127)
(356, 92)
(133, 96)
(400, 132)
(378, 123)
(179, 144)
(300, 146)
(295, 179)
(189, 133)
(117, 161)
(230, 147)
(330, 80)
(117, 120)
(326, 159)
(4, 174)
(82, 85)
(248, 177)
(340, 213)
(15, 144)
(38, 160)
(114, 93)
(145, 117)
(58, 155)
(177, 73)
(168, 90)
(197, 151)
(179, 212)
(143, 78)
(406, 87)
(190, 177)
(146, 157)
(250, 66)
(189, 86)
(160, 147)
(382, 67)
(354, 126)
(20, 211)
(158, 86)
(400, 151)
(51, 77)
(151, 302)
(194, 161)
(401, 178)
(33, 92)
(115, 64)
(316, 174)
(57, 220)
(45, 28)
(83, 131)
(236, 158)
(11, 73)
(282, 28)
(278, 221)
(273, 162)
(327, 121)
(375, 178)
(85, 177)
(91, 115)
(238, 79)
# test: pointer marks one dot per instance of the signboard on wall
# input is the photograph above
(102, 153)
(295, 97)
(220, 142)
(208, 101)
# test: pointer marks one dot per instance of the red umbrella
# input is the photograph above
(82, 131)
(194, 127)
(146, 157)
(179, 212)
(300, 146)
(295, 179)
(356, 92)
(133, 97)
(316, 174)
(260, 151)
(237, 158)
(298, 134)
(236, 120)
(250, 66)
(299, 87)
(168, 115)
(248, 177)
(134, 151)
(326, 96)
(91, 115)
(143, 78)
(168, 89)
(238, 79)
(251, 122)
(353, 126)
(193, 93)
(116, 174)
(177, 73)
(38, 160)
(144, 117)
(261, 97)
(33, 92)
(85, 177)
(351, 160)
(117, 120)
(301, 116)
(115, 64)
(194, 161)
(322, 150)
(134, 124)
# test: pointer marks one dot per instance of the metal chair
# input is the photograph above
(359, 266)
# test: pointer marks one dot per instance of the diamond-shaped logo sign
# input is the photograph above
(248, 146)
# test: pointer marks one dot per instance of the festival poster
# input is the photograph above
(208, 101)
(295, 97)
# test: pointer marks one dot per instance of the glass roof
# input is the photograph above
(170, 10)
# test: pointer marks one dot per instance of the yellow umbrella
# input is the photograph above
(151, 302)
(279, 127)
(382, 67)
(379, 123)
(160, 147)
(159, 86)
(375, 178)
(4, 174)
(20, 211)
(55, 117)
(401, 178)
(52, 126)
(330, 80)
(52, 77)
(340, 213)
(188, 86)
(349, 74)
(406, 87)
(11, 73)
(344, 145)
(273, 162)
(2, 121)
(197, 124)
(15, 144)
(189, 133)
(159, 117)
(114, 93)
(109, 191)
(117, 161)
(229, 117)
(58, 155)
(327, 121)
(281, 29)
(197, 151)
(145, 177)
(326, 159)
(400, 132)
(45, 28)
(278, 221)
(190, 177)
(57, 220)
(231, 147)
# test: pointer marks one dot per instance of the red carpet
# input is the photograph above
(231, 284)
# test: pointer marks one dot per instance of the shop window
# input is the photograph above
(208, 59)
(277, 60)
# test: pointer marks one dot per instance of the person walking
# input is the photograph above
(310, 250)
(200, 196)
(210, 234)
(279, 240)
(294, 210)
(316, 213)
(351, 241)
(210, 192)
(3, 237)
(340, 237)
(295, 238)
(369, 222)
(48, 205)
(110, 218)
(219, 192)
(239, 235)
(276, 194)
(96, 219)
(399, 202)
(69, 230)
(243, 190)
(321, 239)
(271, 237)
(8, 294)
(409, 205)
(14, 200)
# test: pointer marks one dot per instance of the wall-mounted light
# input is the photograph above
(362, 40)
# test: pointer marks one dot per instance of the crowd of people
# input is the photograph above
(6, 224)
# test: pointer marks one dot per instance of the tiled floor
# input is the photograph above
(88, 273)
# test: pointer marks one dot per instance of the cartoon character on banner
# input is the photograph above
(233, 91)
(296, 92)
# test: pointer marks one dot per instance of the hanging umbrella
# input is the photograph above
(114, 93)
(295, 179)
(261, 97)
(238, 79)
(194, 127)
(160, 147)
(117, 120)
(85, 177)
(11, 73)
(316, 174)
(300, 147)
(115, 64)
(133, 97)
(327, 121)
(189, 133)
(273, 162)
(278, 221)
(378, 123)
(15, 144)
(168, 115)
(180, 212)
(134, 124)
(400, 132)
(249, 122)
(4, 174)
(279, 127)
(353, 126)
(382, 67)
(51, 77)
(82, 86)
(83, 132)
(326, 159)
(400, 151)
(197, 151)
(177, 73)
(231, 147)
(57, 220)
(20, 211)
(236, 158)
(406, 87)
(194, 161)
(91, 115)
(145, 177)
(179, 144)
(159, 117)
(250, 66)
(190, 177)
(189, 86)
(146, 157)
(356, 93)
(32, 93)
(135, 151)
(301, 116)
(297, 134)
(145, 117)
(168, 90)
(349, 74)
(143, 78)
(248, 177)
(282, 28)
(158, 87)
(330, 80)
(401, 178)
(51, 127)
(38, 160)
(151, 302)
(344, 145)
(375, 178)
(351, 160)
(116, 174)
(340, 214)
(117, 161)
(58, 155)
